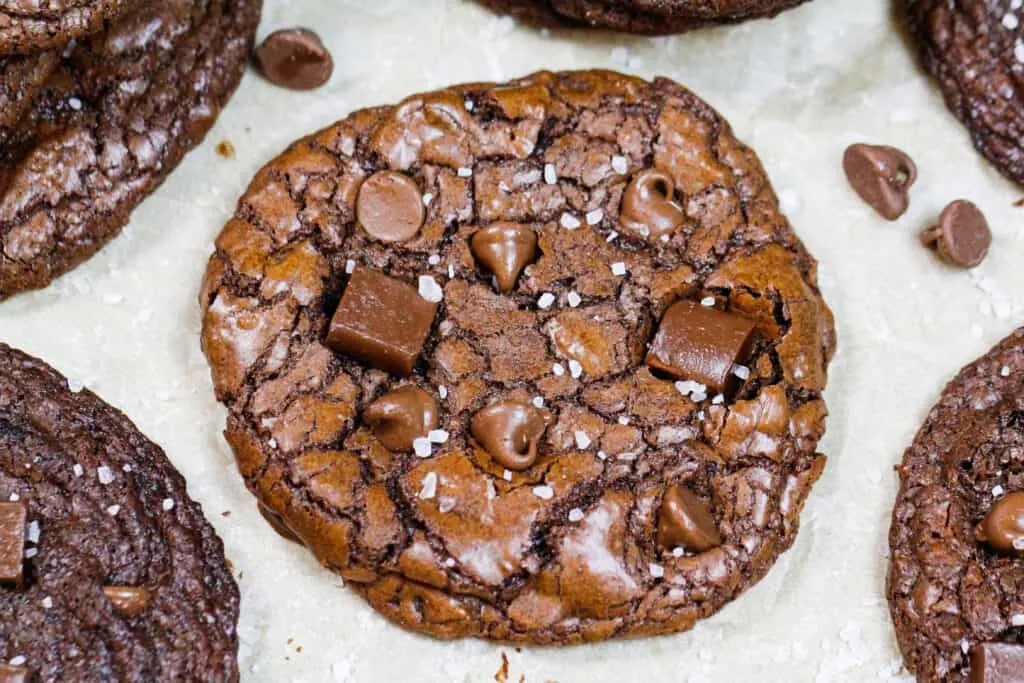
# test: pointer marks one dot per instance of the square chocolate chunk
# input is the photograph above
(12, 542)
(702, 344)
(381, 321)
(997, 663)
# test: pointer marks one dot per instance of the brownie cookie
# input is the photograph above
(537, 362)
(637, 16)
(975, 48)
(956, 572)
(112, 119)
(108, 570)
(28, 26)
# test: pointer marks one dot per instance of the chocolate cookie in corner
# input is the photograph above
(975, 49)
(34, 26)
(98, 128)
(108, 570)
(537, 362)
(637, 16)
(957, 538)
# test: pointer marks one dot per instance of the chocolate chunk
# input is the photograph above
(1003, 526)
(961, 236)
(685, 521)
(997, 663)
(390, 206)
(381, 321)
(401, 416)
(504, 249)
(702, 344)
(130, 601)
(882, 176)
(14, 674)
(12, 542)
(510, 431)
(295, 58)
(649, 206)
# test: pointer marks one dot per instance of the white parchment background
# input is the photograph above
(798, 90)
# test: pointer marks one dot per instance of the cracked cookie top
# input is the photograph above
(956, 569)
(30, 25)
(537, 362)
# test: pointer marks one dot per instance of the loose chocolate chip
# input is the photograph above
(381, 321)
(390, 206)
(1003, 526)
(882, 176)
(12, 542)
(685, 521)
(14, 674)
(510, 432)
(648, 205)
(701, 344)
(997, 663)
(130, 601)
(961, 236)
(295, 58)
(277, 523)
(504, 249)
(401, 416)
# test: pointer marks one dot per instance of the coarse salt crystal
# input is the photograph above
(47, 602)
(623, 420)
(575, 515)
(1010, 21)
(469, 105)
(442, 391)
(350, 266)
(430, 290)
(718, 400)
(582, 440)
(433, 259)
(32, 532)
(168, 504)
(575, 369)
(602, 455)
(113, 510)
(741, 371)
(437, 436)
(429, 489)
(75, 386)
(677, 552)
(105, 474)
(427, 198)
(506, 475)
(998, 490)
(657, 571)
(544, 492)
(18, 661)
(78, 470)
(619, 164)
(1005, 371)
(465, 172)
(421, 447)
(545, 300)
(550, 176)
(1017, 620)
(569, 222)
(612, 236)
(14, 498)
(538, 401)
(619, 268)
(594, 217)
(708, 301)
(574, 299)
(30, 553)
(558, 369)
(446, 505)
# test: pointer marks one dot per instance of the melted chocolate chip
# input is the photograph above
(685, 521)
(390, 206)
(510, 432)
(14, 674)
(130, 601)
(401, 416)
(961, 237)
(1003, 526)
(12, 542)
(882, 176)
(648, 205)
(295, 58)
(504, 249)
(997, 663)
(381, 321)
(701, 344)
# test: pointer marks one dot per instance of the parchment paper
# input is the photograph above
(798, 89)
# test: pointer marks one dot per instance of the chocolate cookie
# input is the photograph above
(956, 572)
(975, 48)
(536, 362)
(111, 120)
(108, 570)
(637, 16)
(28, 26)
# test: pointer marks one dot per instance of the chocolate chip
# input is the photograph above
(648, 205)
(510, 432)
(390, 206)
(882, 176)
(277, 523)
(295, 58)
(130, 601)
(685, 521)
(12, 542)
(1003, 526)
(997, 663)
(14, 674)
(961, 236)
(401, 416)
(701, 344)
(381, 321)
(504, 249)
